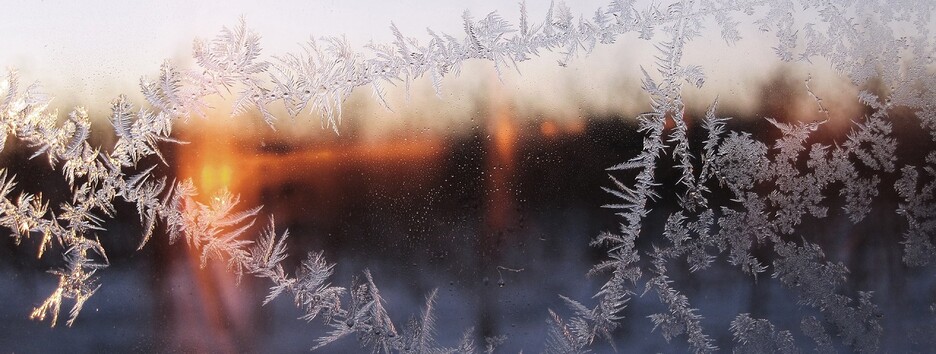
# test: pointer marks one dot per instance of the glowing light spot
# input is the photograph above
(505, 133)
(215, 177)
(548, 129)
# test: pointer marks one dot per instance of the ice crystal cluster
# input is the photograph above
(773, 184)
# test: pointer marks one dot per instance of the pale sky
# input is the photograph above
(91, 46)
(89, 52)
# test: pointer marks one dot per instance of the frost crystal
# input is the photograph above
(774, 186)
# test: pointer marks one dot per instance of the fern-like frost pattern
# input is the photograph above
(771, 191)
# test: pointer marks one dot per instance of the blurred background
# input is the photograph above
(489, 193)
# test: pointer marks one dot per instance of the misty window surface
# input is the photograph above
(749, 176)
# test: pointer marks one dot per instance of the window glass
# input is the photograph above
(700, 176)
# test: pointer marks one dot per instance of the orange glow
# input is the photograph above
(219, 157)
(548, 129)
(407, 149)
(576, 127)
(505, 132)
(209, 160)
(552, 129)
(220, 314)
(215, 177)
(387, 152)
(500, 212)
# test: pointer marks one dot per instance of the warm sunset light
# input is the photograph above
(576, 127)
(468, 176)
(504, 129)
(548, 129)
(210, 159)
(215, 177)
